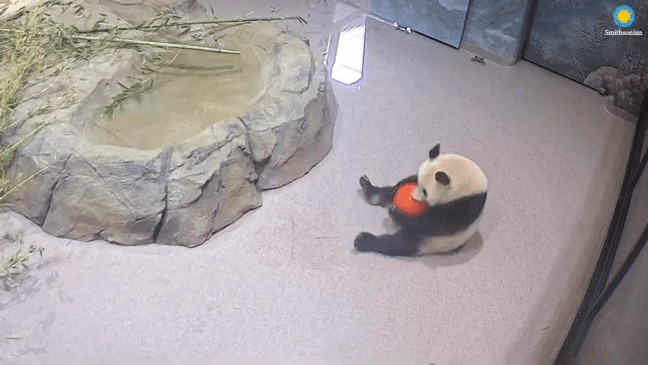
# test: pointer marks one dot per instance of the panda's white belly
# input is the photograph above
(441, 244)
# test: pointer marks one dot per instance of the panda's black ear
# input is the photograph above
(442, 177)
(434, 152)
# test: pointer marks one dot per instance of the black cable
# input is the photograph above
(632, 256)
(639, 171)
(636, 250)
(574, 340)
(634, 165)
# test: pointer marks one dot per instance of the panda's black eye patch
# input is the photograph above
(442, 178)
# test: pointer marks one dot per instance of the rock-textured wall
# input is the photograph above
(178, 194)
(496, 29)
(625, 91)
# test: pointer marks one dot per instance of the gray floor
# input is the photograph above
(283, 281)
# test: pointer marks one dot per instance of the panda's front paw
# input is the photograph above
(364, 242)
(365, 183)
(369, 191)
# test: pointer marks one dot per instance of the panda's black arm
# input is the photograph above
(391, 190)
(382, 195)
(445, 219)
(409, 179)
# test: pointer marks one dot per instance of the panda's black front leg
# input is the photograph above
(400, 243)
(376, 195)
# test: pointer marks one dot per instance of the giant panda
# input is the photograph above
(454, 188)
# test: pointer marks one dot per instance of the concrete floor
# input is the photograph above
(284, 281)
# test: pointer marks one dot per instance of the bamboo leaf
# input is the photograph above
(184, 32)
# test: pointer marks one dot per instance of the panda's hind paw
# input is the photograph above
(364, 242)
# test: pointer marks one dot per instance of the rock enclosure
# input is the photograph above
(624, 91)
(181, 193)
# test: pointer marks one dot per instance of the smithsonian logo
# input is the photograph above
(623, 16)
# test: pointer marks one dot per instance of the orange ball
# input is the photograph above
(404, 202)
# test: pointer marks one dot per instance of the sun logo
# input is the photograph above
(624, 16)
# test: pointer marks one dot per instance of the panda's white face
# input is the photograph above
(448, 177)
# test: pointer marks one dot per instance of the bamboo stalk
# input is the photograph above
(149, 43)
(159, 44)
(200, 22)
(20, 184)
(7, 150)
